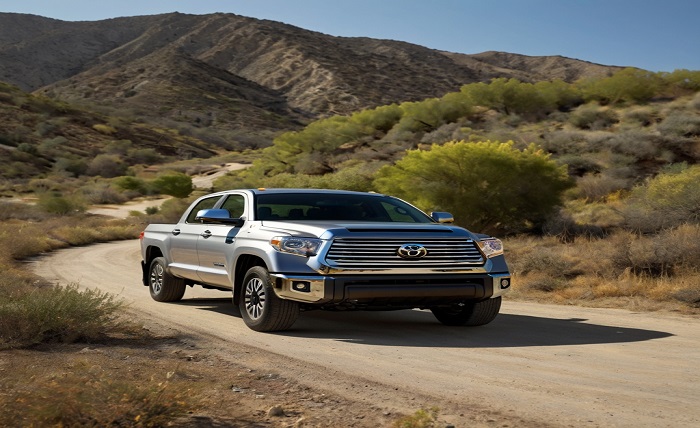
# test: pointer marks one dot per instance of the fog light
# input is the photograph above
(302, 286)
(505, 283)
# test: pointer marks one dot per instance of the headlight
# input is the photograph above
(293, 245)
(491, 247)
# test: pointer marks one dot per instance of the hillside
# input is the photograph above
(230, 78)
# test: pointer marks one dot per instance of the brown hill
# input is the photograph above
(229, 77)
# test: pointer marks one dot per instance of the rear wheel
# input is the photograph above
(163, 286)
(469, 313)
(260, 307)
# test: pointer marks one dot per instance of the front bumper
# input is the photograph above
(436, 289)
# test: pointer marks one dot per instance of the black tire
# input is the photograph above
(469, 313)
(260, 307)
(163, 286)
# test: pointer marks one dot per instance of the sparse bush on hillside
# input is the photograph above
(668, 200)
(596, 187)
(681, 125)
(107, 166)
(593, 117)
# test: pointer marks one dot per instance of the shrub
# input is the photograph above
(174, 184)
(668, 200)
(593, 117)
(597, 187)
(61, 205)
(486, 185)
(680, 125)
(107, 166)
(57, 314)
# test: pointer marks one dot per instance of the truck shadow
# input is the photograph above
(421, 329)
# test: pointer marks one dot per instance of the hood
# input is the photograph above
(331, 229)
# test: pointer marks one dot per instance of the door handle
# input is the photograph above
(175, 232)
(205, 234)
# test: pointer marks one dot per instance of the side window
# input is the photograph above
(235, 204)
(204, 204)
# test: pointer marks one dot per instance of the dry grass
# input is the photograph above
(622, 270)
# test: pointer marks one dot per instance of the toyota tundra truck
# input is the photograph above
(284, 251)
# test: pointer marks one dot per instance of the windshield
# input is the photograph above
(336, 206)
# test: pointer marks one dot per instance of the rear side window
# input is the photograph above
(235, 204)
(204, 204)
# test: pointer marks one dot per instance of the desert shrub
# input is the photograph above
(596, 187)
(57, 314)
(667, 200)
(507, 189)
(131, 183)
(76, 167)
(102, 194)
(643, 116)
(62, 205)
(146, 156)
(104, 129)
(579, 165)
(174, 184)
(107, 166)
(639, 144)
(660, 254)
(681, 125)
(593, 117)
(566, 142)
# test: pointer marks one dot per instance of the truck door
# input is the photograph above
(183, 245)
(215, 245)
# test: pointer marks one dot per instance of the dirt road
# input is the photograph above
(542, 365)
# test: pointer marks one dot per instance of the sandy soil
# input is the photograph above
(535, 365)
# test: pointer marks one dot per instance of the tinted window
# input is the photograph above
(235, 204)
(343, 207)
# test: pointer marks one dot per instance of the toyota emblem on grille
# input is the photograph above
(412, 251)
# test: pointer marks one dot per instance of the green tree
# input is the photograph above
(488, 186)
(629, 84)
(174, 184)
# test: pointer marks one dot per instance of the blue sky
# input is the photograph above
(661, 35)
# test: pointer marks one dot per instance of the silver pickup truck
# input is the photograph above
(283, 251)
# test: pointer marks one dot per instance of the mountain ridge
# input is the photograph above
(284, 75)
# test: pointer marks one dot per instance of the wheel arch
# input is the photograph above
(151, 253)
(243, 264)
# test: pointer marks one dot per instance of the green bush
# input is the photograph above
(487, 185)
(61, 205)
(668, 200)
(174, 184)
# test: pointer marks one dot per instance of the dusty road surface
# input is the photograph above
(541, 365)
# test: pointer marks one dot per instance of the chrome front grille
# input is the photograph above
(358, 253)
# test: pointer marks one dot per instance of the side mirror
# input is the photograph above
(218, 216)
(442, 217)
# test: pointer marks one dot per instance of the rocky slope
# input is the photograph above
(231, 75)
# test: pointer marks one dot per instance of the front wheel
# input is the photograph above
(260, 307)
(163, 286)
(469, 313)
